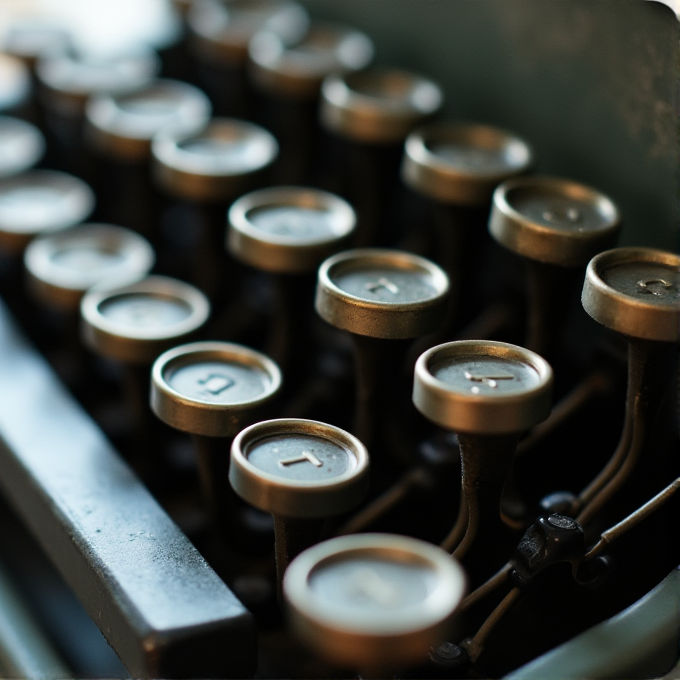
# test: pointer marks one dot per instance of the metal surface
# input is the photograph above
(483, 387)
(382, 293)
(214, 162)
(373, 601)
(213, 389)
(640, 642)
(635, 291)
(15, 82)
(221, 31)
(299, 468)
(462, 163)
(297, 69)
(122, 126)
(158, 603)
(288, 230)
(378, 106)
(134, 323)
(61, 267)
(22, 145)
(67, 80)
(40, 202)
(553, 220)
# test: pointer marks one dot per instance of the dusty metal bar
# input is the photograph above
(158, 603)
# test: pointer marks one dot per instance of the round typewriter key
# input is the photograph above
(288, 230)
(301, 471)
(221, 31)
(212, 388)
(214, 163)
(553, 220)
(297, 68)
(22, 145)
(482, 387)
(462, 163)
(381, 293)
(488, 393)
(375, 602)
(122, 126)
(62, 267)
(31, 38)
(39, 202)
(635, 291)
(15, 83)
(378, 106)
(134, 323)
(69, 79)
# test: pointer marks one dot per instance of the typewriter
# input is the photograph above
(339, 339)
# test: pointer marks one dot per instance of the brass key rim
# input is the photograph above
(438, 178)
(482, 413)
(380, 638)
(115, 128)
(537, 240)
(60, 287)
(217, 35)
(212, 176)
(283, 253)
(201, 416)
(376, 318)
(140, 345)
(297, 68)
(349, 112)
(288, 497)
(618, 311)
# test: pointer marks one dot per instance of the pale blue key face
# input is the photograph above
(385, 284)
(649, 282)
(145, 310)
(300, 457)
(294, 222)
(86, 258)
(558, 212)
(30, 207)
(219, 382)
(371, 586)
(477, 159)
(485, 375)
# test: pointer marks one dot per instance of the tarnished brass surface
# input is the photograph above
(378, 106)
(289, 243)
(410, 308)
(162, 312)
(388, 618)
(62, 267)
(194, 406)
(553, 220)
(302, 483)
(462, 163)
(215, 161)
(635, 291)
(297, 68)
(510, 392)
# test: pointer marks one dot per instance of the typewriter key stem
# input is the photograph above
(648, 364)
(292, 535)
(212, 460)
(486, 463)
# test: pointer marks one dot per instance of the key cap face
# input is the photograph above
(299, 468)
(22, 145)
(483, 387)
(635, 291)
(372, 600)
(213, 389)
(553, 220)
